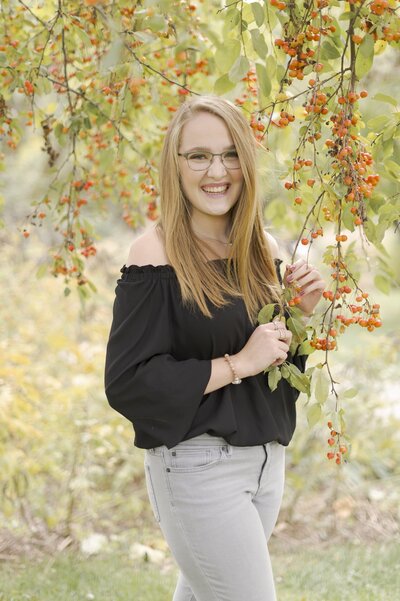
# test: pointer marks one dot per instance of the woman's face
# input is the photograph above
(209, 132)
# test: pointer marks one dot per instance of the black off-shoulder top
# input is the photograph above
(158, 364)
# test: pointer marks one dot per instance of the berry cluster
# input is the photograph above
(296, 45)
(325, 344)
(148, 186)
(334, 441)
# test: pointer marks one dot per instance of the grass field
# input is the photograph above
(331, 573)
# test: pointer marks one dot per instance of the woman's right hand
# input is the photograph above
(266, 346)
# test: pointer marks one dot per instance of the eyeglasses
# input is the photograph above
(200, 161)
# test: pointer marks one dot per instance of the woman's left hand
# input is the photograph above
(308, 284)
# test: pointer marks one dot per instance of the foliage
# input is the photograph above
(346, 573)
(100, 81)
(67, 461)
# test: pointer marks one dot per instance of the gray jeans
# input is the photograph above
(217, 505)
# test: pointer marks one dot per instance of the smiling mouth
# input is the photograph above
(215, 190)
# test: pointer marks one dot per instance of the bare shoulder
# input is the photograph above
(273, 245)
(147, 249)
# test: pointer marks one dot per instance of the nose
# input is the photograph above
(217, 167)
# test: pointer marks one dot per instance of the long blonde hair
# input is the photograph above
(251, 272)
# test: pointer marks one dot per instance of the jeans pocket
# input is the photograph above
(192, 459)
(150, 492)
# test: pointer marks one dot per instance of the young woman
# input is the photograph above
(186, 357)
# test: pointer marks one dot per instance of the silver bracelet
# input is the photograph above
(236, 379)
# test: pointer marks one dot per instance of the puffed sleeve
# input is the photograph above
(143, 381)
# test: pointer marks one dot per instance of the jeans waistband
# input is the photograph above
(205, 439)
(201, 440)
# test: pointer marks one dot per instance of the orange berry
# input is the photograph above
(331, 442)
(29, 87)
(298, 200)
(304, 241)
(363, 93)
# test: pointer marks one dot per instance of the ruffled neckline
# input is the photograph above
(167, 268)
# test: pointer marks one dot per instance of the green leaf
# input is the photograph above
(247, 14)
(259, 43)
(239, 69)
(385, 98)
(85, 38)
(285, 370)
(298, 329)
(42, 271)
(227, 54)
(156, 23)
(350, 393)
(274, 376)
(92, 286)
(144, 36)
(263, 79)
(232, 17)
(365, 56)
(270, 65)
(305, 348)
(258, 12)
(393, 168)
(378, 122)
(370, 231)
(348, 219)
(328, 51)
(297, 378)
(280, 72)
(314, 415)
(293, 347)
(112, 57)
(266, 313)
(320, 385)
(223, 84)
(389, 133)
(346, 16)
(382, 283)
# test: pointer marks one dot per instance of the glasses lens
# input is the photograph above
(231, 159)
(199, 160)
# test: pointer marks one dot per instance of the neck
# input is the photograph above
(217, 231)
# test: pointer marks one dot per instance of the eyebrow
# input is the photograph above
(209, 149)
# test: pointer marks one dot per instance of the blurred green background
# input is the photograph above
(71, 479)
